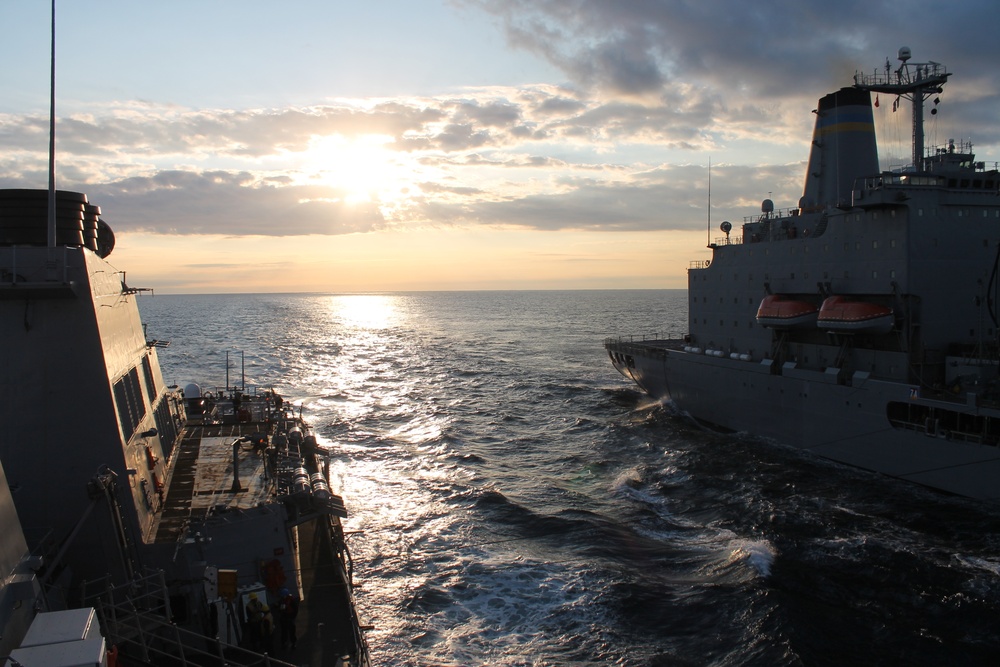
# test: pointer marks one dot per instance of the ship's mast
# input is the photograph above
(913, 81)
(52, 137)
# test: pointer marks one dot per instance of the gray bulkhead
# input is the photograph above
(78, 388)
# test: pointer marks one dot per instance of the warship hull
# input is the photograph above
(850, 423)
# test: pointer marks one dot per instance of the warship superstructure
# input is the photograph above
(862, 324)
(161, 509)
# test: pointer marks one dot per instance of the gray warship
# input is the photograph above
(139, 518)
(862, 324)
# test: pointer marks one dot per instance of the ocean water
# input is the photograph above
(515, 501)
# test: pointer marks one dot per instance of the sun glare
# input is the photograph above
(361, 168)
(364, 311)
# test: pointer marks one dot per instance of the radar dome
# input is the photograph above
(726, 227)
(904, 53)
(192, 391)
(767, 206)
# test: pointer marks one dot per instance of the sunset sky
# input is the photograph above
(315, 145)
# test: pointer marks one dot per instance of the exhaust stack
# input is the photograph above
(843, 148)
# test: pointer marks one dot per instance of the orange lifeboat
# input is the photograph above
(844, 315)
(782, 312)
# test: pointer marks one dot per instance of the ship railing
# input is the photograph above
(136, 619)
(31, 266)
(654, 337)
(909, 73)
(700, 263)
(728, 240)
(776, 215)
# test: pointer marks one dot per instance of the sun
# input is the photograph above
(360, 169)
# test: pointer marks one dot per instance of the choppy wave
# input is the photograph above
(514, 502)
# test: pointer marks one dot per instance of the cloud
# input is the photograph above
(746, 49)
(219, 202)
(651, 90)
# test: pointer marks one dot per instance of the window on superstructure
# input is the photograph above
(874, 274)
(892, 273)
(147, 372)
(128, 400)
(874, 245)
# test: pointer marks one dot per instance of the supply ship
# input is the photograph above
(862, 324)
(140, 518)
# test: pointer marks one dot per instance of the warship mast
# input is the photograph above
(912, 81)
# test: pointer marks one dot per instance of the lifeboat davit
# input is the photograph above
(782, 312)
(845, 315)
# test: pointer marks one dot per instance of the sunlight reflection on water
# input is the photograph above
(365, 311)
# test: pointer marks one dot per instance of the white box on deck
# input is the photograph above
(78, 653)
(53, 627)
(70, 638)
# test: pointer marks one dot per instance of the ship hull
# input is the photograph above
(845, 420)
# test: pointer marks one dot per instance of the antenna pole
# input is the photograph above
(709, 200)
(52, 138)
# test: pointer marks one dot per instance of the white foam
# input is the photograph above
(759, 553)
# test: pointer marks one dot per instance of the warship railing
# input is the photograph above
(135, 618)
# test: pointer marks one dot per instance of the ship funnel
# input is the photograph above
(843, 148)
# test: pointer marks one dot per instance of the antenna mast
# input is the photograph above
(912, 81)
(52, 137)
(710, 200)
